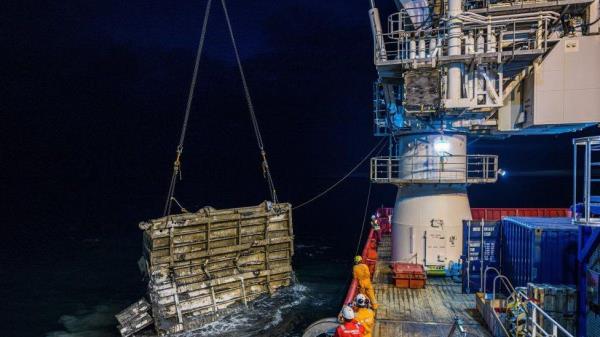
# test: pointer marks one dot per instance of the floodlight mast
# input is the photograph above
(477, 68)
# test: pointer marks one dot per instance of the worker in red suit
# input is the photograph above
(363, 277)
(349, 327)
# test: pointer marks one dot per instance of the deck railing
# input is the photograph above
(448, 169)
(482, 35)
(535, 315)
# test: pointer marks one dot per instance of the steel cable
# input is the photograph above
(362, 228)
(179, 151)
(344, 177)
(259, 140)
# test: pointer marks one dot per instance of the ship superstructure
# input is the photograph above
(452, 69)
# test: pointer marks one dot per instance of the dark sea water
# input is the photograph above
(74, 290)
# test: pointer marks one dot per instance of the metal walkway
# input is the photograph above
(428, 312)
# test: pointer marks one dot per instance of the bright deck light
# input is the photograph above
(441, 146)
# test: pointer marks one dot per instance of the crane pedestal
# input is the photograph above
(432, 171)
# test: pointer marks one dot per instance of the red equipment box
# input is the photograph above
(409, 275)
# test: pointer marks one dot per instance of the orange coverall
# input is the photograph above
(362, 274)
(372, 257)
(366, 317)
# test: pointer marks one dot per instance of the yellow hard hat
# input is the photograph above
(358, 259)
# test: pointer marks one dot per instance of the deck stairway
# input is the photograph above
(428, 312)
(516, 314)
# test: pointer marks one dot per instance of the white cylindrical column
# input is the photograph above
(412, 48)
(427, 221)
(432, 46)
(594, 14)
(376, 30)
(492, 42)
(454, 48)
(480, 43)
(469, 43)
(422, 45)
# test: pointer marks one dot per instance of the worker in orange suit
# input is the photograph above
(372, 256)
(363, 315)
(363, 276)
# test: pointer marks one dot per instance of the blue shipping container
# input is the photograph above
(481, 249)
(540, 250)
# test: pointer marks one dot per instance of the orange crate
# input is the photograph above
(409, 275)
(402, 282)
(417, 284)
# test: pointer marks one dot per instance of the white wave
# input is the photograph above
(98, 321)
(261, 316)
(299, 294)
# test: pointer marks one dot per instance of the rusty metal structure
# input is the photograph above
(204, 265)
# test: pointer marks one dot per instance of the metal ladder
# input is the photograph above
(590, 146)
(585, 210)
(532, 325)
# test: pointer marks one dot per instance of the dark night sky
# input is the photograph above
(93, 94)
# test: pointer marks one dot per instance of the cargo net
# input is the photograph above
(208, 264)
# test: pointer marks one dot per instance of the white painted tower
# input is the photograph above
(432, 171)
(427, 221)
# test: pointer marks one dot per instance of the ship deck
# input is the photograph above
(421, 312)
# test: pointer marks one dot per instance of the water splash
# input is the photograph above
(268, 316)
(97, 321)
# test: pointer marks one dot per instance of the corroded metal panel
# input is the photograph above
(421, 90)
(134, 318)
(207, 264)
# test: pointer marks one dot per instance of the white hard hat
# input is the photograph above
(361, 300)
(373, 217)
(347, 313)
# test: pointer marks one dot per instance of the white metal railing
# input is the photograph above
(535, 314)
(582, 212)
(449, 169)
(516, 4)
(480, 35)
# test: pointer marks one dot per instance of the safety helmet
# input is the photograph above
(358, 259)
(373, 217)
(347, 313)
(361, 300)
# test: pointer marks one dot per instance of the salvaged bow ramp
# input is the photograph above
(205, 265)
